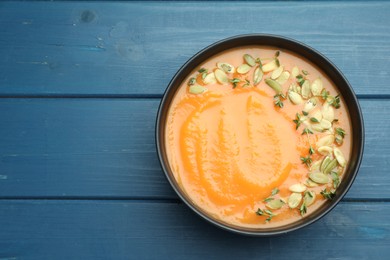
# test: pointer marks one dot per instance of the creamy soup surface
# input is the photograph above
(259, 145)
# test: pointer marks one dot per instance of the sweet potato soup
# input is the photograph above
(258, 137)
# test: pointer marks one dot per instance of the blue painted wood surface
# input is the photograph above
(80, 83)
(136, 47)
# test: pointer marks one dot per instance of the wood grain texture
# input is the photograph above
(148, 230)
(136, 47)
(105, 148)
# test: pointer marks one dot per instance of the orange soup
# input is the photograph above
(258, 137)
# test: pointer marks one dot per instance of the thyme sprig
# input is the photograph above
(273, 193)
(297, 121)
(235, 81)
(308, 160)
(329, 195)
(303, 209)
(265, 212)
(278, 100)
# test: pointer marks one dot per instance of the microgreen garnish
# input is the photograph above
(324, 94)
(336, 101)
(277, 53)
(303, 209)
(247, 83)
(311, 150)
(270, 215)
(278, 100)
(328, 194)
(277, 62)
(305, 113)
(297, 121)
(260, 212)
(203, 71)
(314, 120)
(340, 131)
(335, 178)
(306, 160)
(300, 79)
(265, 212)
(235, 81)
(274, 191)
(191, 81)
(258, 60)
(309, 194)
(307, 131)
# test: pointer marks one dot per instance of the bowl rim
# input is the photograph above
(192, 63)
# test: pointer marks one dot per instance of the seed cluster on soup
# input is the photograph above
(258, 137)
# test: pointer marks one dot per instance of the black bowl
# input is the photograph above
(310, 54)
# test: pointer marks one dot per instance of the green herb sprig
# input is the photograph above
(265, 212)
(329, 195)
(308, 160)
(278, 100)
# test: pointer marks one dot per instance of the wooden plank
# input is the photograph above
(136, 47)
(105, 148)
(144, 230)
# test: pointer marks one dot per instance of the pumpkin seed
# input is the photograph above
(317, 115)
(317, 128)
(298, 187)
(315, 165)
(310, 183)
(325, 124)
(339, 139)
(196, 89)
(316, 87)
(226, 67)
(295, 98)
(210, 79)
(275, 204)
(339, 157)
(276, 73)
(326, 140)
(257, 76)
(330, 166)
(309, 197)
(325, 163)
(310, 105)
(293, 87)
(249, 60)
(325, 150)
(294, 200)
(221, 76)
(243, 68)
(319, 177)
(274, 85)
(306, 89)
(270, 66)
(283, 77)
(328, 112)
(295, 71)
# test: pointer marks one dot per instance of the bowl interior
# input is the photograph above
(310, 54)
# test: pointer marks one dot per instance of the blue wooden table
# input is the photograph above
(80, 83)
